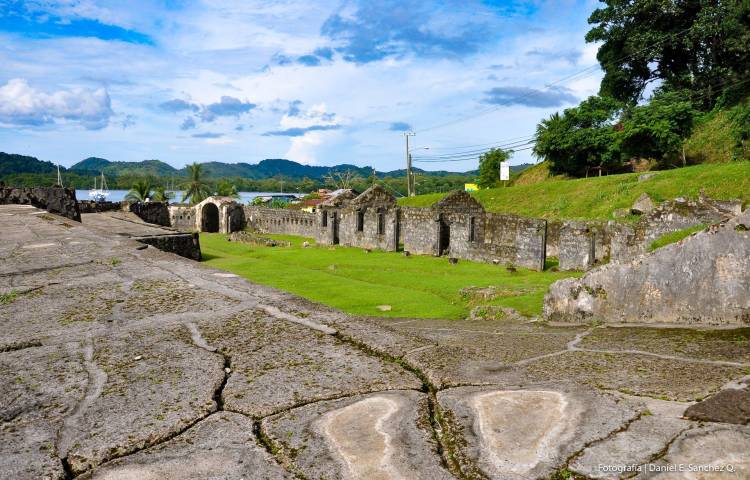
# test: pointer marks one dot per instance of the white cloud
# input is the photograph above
(307, 130)
(208, 49)
(21, 104)
(303, 148)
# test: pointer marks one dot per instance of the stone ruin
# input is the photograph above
(704, 278)
(370, 220)
(459, 227)
(327, 231)
(631, 240)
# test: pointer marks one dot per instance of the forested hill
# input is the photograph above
(11, 164)
(268, 168)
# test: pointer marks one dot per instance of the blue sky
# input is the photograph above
(321, 82)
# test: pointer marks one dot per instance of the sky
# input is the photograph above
(318, 82)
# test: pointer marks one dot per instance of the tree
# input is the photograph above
(582, 139)
(656, 130)
(226, 189)
(162, 195)
(341, 180)
(489, 166)
(196, 190)
(696, 45)
(139, 192)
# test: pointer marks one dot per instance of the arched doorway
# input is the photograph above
(210, 218)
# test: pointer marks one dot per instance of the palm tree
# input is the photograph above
(226, 189)
(140, 192)
(196, 189)
(162, 195)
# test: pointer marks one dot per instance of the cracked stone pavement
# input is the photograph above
(119, 362)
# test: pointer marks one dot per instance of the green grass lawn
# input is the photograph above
(596, 198)
(357, 282)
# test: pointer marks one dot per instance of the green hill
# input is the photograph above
(155, 168)
(268, 168)
(598, 197)
(14, 164)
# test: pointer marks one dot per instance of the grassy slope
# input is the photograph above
(415, 286)
(712, 140)
(597, 198)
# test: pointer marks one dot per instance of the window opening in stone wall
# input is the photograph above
(472, 229)
(381, 223)
(324, 223)
(360, 220)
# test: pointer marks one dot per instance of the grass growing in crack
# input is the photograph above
(8, 298)
(414, 286)
(564, 474)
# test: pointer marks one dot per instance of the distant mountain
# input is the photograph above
(11, 164)
(268, 168)
(95, 165)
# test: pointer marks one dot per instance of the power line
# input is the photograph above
(462, 159)
(484, 144)
(507, 146)
(474, 153)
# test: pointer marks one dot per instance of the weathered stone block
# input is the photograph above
(642, 205)
(61, 201)
(703, 279)
(577, 247)
(152, 212)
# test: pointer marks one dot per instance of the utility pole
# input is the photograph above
(409, 175)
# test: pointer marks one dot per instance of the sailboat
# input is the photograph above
(99, 194)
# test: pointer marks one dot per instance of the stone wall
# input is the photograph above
(328, 217)
(183, 244)
(152, 212)
(458, 226)
(553, 238)
(505, 239)
(576, 249)
(703, 279)
(281, 221)
(631, 240)
(327, 220)
(370, 236)
(182, 217)
(60, 201)
(371, 220)
(602, 241)
(420, 230)
(89, 206)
